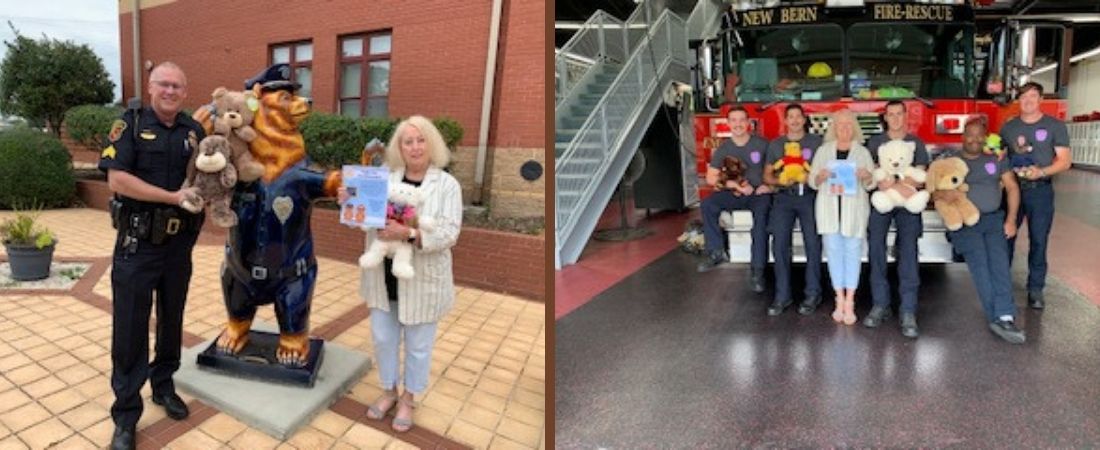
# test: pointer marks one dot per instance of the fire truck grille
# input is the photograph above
(869, 123)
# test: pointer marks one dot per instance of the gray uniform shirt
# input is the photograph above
(984, 178)
(1040, 138)
(809, 144)
(752, 154)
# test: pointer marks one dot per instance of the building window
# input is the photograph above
(300, 57)
(365, 75)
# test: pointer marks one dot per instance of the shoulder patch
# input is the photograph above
(108, 153)
(117, 127)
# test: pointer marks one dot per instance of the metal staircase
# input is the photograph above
(610, 80)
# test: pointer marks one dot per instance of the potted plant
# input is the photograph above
(29, 246)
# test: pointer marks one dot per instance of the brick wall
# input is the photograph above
(511, 194)
(79, 152)
(437, 66)
(479, 255)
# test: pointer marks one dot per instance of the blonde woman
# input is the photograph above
(412, 307)
(842, 217)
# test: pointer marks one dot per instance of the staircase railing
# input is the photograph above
(703, 21)
(586, 160)
(602, 38)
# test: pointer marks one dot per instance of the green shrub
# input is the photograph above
(89, 124)
(378, 128)
(450, 129)
(35, 169)
(332, 140)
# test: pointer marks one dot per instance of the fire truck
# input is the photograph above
(936, 57)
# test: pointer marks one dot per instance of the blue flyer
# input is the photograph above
(368, 189)
(842, 178)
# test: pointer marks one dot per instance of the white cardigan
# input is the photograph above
(429, 295)
(855, 210)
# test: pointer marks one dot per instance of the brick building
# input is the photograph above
(373, 57)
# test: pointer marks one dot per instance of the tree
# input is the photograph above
(40, 80)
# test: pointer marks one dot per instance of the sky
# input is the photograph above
(91, 22)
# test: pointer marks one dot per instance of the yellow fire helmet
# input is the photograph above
(819, 70)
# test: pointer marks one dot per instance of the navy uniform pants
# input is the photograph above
(1037, 205)
(715, 236)
(909, 229)
(789, 206)
(155, 272)
(985, 250)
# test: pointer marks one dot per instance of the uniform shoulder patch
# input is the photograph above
(117, 127)
(108, 153)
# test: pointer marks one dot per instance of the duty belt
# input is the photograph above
(796, 190)
(300, 267)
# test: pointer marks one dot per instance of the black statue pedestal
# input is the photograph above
(257, 360)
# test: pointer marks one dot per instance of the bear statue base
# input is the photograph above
(257, 360)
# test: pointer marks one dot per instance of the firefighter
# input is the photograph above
(756, 196)
(1045, 140)
(146, 164)
(791, 201)
(909, 229)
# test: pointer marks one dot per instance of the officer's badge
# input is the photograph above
(108, 153)
(282, 206)
(117, 127)
(148, 135)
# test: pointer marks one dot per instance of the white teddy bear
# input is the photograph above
(404, 200)
(895, 160)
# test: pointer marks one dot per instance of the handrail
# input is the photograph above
(636, 78)
(601, 38)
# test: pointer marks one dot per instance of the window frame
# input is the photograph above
(294, 63)
(364, 60)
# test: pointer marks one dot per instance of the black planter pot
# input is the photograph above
(28, 262)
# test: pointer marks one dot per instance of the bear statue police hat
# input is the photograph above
(276, 77)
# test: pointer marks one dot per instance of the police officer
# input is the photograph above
(756, 196)
(909, 229)
(794, 200)
(1046, 140)
(146, 165)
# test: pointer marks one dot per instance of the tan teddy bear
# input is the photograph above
(232, 114)
(949, 174)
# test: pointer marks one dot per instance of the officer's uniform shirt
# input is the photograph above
(752, 154)
(1036, 140)
(155, 153)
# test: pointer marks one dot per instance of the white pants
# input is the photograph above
(419, 339)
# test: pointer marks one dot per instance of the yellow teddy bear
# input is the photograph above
(792, 167)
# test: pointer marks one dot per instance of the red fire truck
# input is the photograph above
(934, 56)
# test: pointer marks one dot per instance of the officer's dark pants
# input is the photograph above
(715, 237)
(789, 206)
(1037, 205)
(166, 271)
(909, 229)
(986, 252)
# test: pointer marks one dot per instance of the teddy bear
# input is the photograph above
(404, 202)
(1021, 159)
(949, 174)
(792, 167)
(732, 169)
(213, 173)
(895, 162)
(232, 116)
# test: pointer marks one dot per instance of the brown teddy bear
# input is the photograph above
(949, 174)
(732, 169)
(232, 116)
(214, 175)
